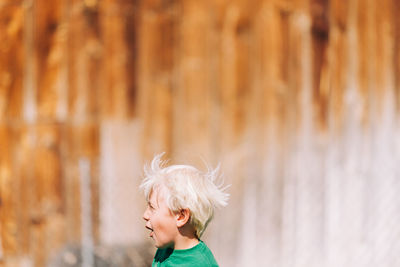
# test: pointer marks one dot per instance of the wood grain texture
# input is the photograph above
(298, 99)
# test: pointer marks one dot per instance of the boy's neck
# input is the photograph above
(185, 242)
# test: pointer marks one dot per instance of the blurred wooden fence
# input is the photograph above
(221, 79)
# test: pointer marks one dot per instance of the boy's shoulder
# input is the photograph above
(198, 256)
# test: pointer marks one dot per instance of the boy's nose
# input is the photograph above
(146, 215)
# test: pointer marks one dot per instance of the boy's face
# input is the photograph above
(160, 220)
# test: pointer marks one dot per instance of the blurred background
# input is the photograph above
(299, 100)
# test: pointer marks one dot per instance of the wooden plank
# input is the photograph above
(273, 93)
(42, 202)
(82, 142)
(192, 102)
(86, 86)
(396, 50)
(119, 24)
(121, 165)
(237, 66)
(8, 213)
(11, 77)
(50, 36)
(320, 33)
(85, 75)
(157, 34)
(11, 60)
(43, 175)
(337, 62)
(364, 46)
(384, 50)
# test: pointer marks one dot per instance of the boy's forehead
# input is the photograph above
(157, 194)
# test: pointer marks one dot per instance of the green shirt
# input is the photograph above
(197, 256)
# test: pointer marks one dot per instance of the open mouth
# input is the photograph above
(151, 229)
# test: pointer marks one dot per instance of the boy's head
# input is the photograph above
(181, 199)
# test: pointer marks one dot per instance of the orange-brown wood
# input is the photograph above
(237, 80)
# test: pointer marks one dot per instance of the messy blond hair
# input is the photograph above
(186, 188)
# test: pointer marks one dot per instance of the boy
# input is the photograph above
(181, 202)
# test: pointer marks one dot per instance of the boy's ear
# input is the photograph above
(182, 217)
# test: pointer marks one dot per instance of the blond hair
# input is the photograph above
(186, 188)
